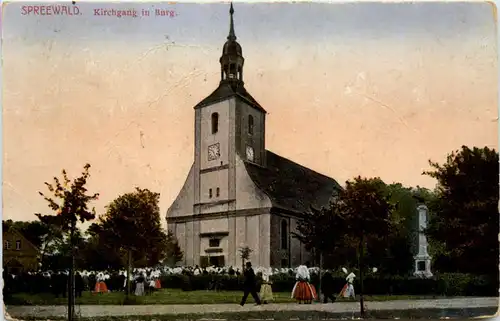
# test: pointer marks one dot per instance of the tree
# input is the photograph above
(465, 215)
(131, 227)
(396, 255)
(173, 253)
(245, 252)
(70, 203)
(315, 229)
(365, 207)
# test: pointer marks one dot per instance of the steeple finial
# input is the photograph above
(231, 35)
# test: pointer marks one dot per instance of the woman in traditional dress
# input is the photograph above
(100, 285)
(303, 292)
(348, 289)
(266, 291)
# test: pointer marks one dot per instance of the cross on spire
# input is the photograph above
(232, 35)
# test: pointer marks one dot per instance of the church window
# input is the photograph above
(214, 243)
(18, 245)
(215, 123)
(210, 193)
(240, 73)
(217, 192)
(284, 235)
(250, 124)
(284, 263)
(7, 245)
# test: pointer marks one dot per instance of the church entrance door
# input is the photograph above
(217, 261)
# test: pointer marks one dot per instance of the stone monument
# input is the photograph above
(422, 259)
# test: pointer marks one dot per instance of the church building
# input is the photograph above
(237, 193)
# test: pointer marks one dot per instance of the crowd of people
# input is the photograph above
(143, 281)
(147, 280)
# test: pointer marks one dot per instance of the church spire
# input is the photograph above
(232, 35)
(232, 56)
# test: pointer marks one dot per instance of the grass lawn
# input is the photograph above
(170, 296)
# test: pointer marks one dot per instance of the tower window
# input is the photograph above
(240, 73)
(232, 70)
(215, 123)
(217, 192)
(250, 124)
(18, 245)
(284, 235)
(210, 193)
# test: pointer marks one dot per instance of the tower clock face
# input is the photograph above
(213, 152)
(250, 153)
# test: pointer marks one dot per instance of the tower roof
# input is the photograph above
(227, 90)
(231, 86)
(231, 47)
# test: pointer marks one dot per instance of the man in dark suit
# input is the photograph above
(327, 287)
(78, 285)
(249, 285)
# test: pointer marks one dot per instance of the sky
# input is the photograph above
(351, 89)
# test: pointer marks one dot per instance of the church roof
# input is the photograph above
(227, 90)
(291, 186)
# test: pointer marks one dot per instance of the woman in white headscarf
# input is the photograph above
(266, 291)
(100, 285)
(348, 289)
(303, 292)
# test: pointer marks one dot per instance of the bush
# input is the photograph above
(446, 284)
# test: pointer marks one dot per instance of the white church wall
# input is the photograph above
(265, 240)
(247, 193)
(214, 226)
(253, 237)
(190, 259)
(240, 232)
(183, 204)
(180, 229)
(257, 138)
(214, 180)
(214, 208)
(221, 137)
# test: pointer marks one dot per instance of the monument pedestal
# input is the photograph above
(423, 266)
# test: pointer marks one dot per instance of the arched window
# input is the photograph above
(284, 235)
(250, 124)
(215, 123)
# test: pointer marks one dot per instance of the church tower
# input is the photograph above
(228, 122)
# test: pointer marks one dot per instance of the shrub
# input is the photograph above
(446, 284)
